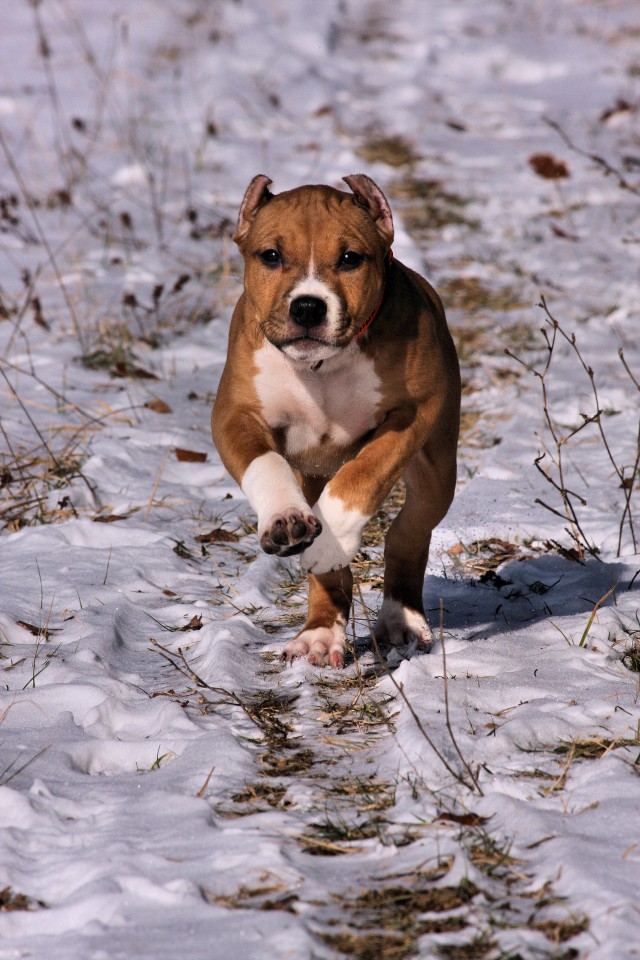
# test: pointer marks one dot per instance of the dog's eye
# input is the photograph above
(350, 260)
(270, 257)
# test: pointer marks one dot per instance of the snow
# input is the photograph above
(166, 784)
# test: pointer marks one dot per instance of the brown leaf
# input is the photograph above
(114, 517)
(466, 819)
(563, 234)
(158, 406)
(38, 631)
(190, 456)
(548, 167)
(194, 624)
(218, 536)
(124, 369)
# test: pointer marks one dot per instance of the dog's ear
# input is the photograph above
(369, 195)
(257, 194)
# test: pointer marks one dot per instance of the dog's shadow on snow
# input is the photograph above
(524, 592)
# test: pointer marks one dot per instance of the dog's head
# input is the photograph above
(315, 262)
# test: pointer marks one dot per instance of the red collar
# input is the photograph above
(388, 260)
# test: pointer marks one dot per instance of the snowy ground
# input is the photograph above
(167, 787)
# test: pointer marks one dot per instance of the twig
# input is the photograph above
(463, 760)
(604, 165)
(597, 418)
(20, 769)
(569, 498)
(157, 483)
(42, 235)
(454, 773)
(55, 393)
(203, 789)
(85, 479)
(626, 366)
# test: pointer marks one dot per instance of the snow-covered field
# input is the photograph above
(167, 786)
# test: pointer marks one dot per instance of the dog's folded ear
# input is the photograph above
(257, 193)
(369, 195)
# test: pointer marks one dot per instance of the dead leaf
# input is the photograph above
(548, 167)
(466, 819)
(38, 631)
(124, 369)
(114, 517)
(563, 234)
(190, 456)
(194, 624)
(218, 536)
(158, 406)
(456, 550)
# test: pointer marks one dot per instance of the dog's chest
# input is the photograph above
(322, 412)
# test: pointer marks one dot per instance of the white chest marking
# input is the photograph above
(337, 403)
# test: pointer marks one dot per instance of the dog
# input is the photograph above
(341, 378)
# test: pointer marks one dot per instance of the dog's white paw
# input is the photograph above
(286, 523)
(400, 626)
(289, 532)
(321, 646)
(339, 541)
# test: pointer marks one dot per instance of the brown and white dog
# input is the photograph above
(341, 378)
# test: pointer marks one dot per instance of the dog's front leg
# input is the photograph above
(286, 523)
(356, 492)
(359, 487)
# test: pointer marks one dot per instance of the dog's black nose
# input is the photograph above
(308, 311)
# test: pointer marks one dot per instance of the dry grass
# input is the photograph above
(594, 749)
(631, 657)
(270, 894)
(395, 151)
(278, 763)
(256, 798)
(427, 205)
(33, 481)
(387, 921)
(469, 295)
(475, 949)
(10, 900)
(483, 556)
(559, 931)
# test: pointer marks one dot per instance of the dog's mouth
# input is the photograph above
(308, 347)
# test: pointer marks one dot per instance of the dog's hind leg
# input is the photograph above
(430, 484)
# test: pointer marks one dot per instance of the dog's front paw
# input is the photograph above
(321, 646)
(290, 532)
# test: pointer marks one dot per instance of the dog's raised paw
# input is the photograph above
(321, 646)
(399, 626)
(290, 532)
